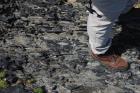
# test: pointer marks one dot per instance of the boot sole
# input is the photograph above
(109, 68)
(113, 69)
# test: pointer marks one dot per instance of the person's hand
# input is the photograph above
(71, 1)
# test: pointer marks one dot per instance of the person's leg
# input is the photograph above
(99, 34)
(100, 29)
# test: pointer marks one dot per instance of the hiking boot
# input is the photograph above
(112, 62)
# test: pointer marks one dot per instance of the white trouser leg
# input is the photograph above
(100, 29)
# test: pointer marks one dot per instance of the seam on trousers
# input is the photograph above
(91, 29)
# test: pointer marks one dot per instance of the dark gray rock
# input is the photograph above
(15, 89)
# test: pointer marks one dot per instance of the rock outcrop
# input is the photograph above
(44, 43)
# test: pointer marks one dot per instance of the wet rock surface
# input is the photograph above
(44, 43)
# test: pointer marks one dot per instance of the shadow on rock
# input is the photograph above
(129, 37)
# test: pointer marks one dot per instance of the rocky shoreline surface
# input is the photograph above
(44, 49)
